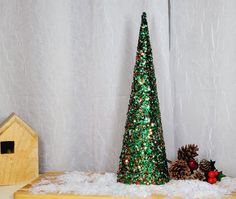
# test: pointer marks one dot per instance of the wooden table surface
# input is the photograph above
(24, 192)
(7, 192)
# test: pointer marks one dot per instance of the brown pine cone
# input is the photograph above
(179, 170)
(188, 152)
(198, 175)
(205, 165)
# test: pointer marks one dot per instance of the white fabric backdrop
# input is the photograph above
(66, 68)
(203, 67)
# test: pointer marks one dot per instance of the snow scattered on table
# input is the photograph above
(105, 184)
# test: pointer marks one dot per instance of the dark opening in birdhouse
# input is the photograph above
(7, 147)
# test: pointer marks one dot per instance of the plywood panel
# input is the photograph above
(22, 165)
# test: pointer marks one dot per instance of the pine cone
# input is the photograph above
(179, 170)
(198, 175)
(188, 152)
(205, 165)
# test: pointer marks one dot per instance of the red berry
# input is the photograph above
(193, 165)
(216, 173)
(211, 174)
(215, 180)
(212, 180)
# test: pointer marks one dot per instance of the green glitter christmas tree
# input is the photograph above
(143, 157)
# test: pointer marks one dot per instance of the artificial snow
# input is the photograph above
(105, 184)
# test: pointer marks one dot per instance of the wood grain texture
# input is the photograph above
(22, 165)
(24, 192)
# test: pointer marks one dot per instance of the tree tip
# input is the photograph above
(144, 15)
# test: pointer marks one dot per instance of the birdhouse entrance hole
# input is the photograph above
(7, 147)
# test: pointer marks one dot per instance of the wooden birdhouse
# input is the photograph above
(18, 151)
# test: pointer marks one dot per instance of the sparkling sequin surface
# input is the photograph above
(143, 156)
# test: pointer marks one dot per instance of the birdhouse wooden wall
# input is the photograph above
(18, 151)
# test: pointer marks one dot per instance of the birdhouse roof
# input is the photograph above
(13, 118)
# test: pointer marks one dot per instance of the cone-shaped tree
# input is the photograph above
(143, 156)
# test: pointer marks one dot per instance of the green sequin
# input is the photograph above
(143, 156)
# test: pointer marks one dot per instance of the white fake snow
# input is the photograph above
(105, 184)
